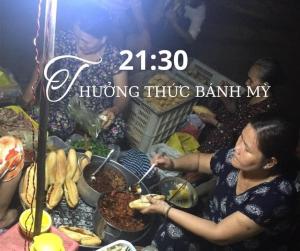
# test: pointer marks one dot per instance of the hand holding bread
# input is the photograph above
(200, 109)
(144, 201)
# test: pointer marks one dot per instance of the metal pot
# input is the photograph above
(110, 233)
(90, 195)
(104, 229)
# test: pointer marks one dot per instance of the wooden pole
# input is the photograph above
(48, 53)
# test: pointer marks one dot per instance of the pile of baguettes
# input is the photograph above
(61, 174)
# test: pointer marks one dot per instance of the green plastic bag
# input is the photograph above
(183, 142)
(4, 80)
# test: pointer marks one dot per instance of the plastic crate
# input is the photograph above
(148, 126)
(201, 74)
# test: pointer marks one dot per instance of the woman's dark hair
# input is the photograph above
(271, 71)
(94, 20)
(278, 138)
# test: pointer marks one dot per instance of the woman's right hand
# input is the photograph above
(163, 162)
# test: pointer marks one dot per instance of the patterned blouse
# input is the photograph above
(60, 122)
(268, 204)
(213, 139)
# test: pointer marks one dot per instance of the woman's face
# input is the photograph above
(254, 77)
(247, 156)
(87, 43)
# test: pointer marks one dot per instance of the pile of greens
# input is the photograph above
(95, 146)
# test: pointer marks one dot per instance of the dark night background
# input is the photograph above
(234, 35)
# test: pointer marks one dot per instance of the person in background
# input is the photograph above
(232, 114)
(130, 29)
(88, 40)
(11, 164)
(177, 24)
(253, 204)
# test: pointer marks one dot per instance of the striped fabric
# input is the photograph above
(138, 163)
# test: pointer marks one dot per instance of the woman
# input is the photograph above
(176, 25)
(252, 205)
(89, 41)
(11, 164)
(233, 115)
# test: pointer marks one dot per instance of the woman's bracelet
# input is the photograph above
(167, 211)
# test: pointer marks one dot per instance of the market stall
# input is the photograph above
(61, 190)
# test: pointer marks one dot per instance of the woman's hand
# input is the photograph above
(157, 206)
(109, 116)
(208, 118)
(163, 162)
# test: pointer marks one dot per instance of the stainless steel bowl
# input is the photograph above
(90, 195)
(179, 192)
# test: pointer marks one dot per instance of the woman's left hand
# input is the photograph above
(208, 119)
(157, 206)
(110, 117)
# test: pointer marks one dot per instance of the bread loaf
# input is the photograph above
(61, 167)
(144, 202)
(54, 195)
(50, 169)
(81, 235)
(71, 193)
(72, 163)
(199, 109)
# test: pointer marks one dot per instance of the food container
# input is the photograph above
(16, 122)
(148, 124)
(181, 192)
(47, 241)
(26, 222)
(90, 195)
(110, 233)
(199, 74)
(120, 245)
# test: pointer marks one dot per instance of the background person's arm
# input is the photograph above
(120, 81)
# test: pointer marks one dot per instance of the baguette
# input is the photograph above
(77, 174)
(84, 161)
(29, 184)
(61, 167)
(144, 202)
(199, 109)
(71, 193)
(72, 163)
(50, 169)
(81, 235)
(54, 195)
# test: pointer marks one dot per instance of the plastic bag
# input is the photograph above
(86, 119)
(168, 151)
(9, 88)
(193, 125)
(183, 142)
